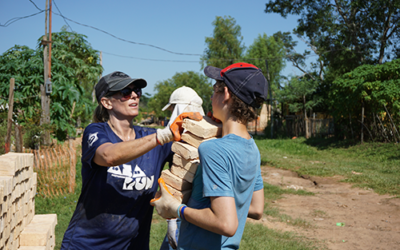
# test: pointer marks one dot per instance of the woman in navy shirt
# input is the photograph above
(121, 164)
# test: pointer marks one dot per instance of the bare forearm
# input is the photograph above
(221, 218)
(114, 154)
(256, 208)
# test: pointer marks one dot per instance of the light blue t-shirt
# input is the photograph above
(230, 167)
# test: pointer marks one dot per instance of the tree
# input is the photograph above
(345, 33)
(270, 49)
(225, 47)
(377, 88)
(164, 89)
(299, 94)
(75, 70)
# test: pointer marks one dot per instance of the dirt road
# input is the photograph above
(369, 220)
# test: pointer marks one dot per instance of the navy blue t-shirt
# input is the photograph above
(114, 211)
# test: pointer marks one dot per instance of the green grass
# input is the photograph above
(378, 163)
(158, 230)
(63, 206)
(257, 236)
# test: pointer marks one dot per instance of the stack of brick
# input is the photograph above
(18, 185)
(180, 176)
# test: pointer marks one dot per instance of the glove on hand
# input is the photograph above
(164, 135)
(174, 132)
(172, 233)
(176, 126)
(166, 205)
(210, 114)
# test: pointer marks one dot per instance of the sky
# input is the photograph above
(167, 28)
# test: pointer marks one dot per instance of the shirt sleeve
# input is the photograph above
(216, 177)
(93, 136)
(259, 181)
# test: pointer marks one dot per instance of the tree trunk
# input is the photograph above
(305, 118)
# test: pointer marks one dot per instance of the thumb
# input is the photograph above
(159, 194)
(163, 187)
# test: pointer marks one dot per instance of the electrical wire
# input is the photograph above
(137, 43)
(157, 47)
(61, 14)
(34, 4)
(147, 59)
(128, 41)
(12, 20)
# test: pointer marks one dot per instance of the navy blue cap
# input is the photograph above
(244, 80)
(116, 81)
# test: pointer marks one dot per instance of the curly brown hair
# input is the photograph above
(241, 112)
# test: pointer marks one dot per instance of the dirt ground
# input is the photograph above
(370, 221)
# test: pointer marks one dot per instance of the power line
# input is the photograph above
(61, 14)
(150, 45)
(34, 4)
(124, 40)
(12, 20)
(147, 59)
(137, 43)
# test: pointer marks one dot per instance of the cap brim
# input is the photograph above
(166, 106)
(139, 82)
(213, 72)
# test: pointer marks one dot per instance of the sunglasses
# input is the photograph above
(126, 93)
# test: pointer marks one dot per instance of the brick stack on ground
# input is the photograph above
(20, 228)
(180, 176)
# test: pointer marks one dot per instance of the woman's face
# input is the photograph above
(126, 101)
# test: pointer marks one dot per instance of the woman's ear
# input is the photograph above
(107, 104)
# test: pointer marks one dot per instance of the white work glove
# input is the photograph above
(172, 233)
(164, 135)
(174, 131)
(166, 205)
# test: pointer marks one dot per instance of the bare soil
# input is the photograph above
(369, 220)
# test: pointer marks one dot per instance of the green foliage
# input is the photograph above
(75, 70)
(272, 50)
(298, 94)
(225, 46)
(342, 35)
(375, 86)
(200, 83)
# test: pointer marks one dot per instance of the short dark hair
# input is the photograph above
(241, 111)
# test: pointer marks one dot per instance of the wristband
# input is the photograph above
(182, 214)
(178, 211)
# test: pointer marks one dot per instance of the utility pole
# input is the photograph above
(44, 89)
(10, 115)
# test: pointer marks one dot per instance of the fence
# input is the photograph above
(56, 169)
(316, 127)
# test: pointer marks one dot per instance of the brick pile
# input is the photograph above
(180, 176)
(20, 228)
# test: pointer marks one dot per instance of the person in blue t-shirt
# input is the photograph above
(227, 187)
(120, 167)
